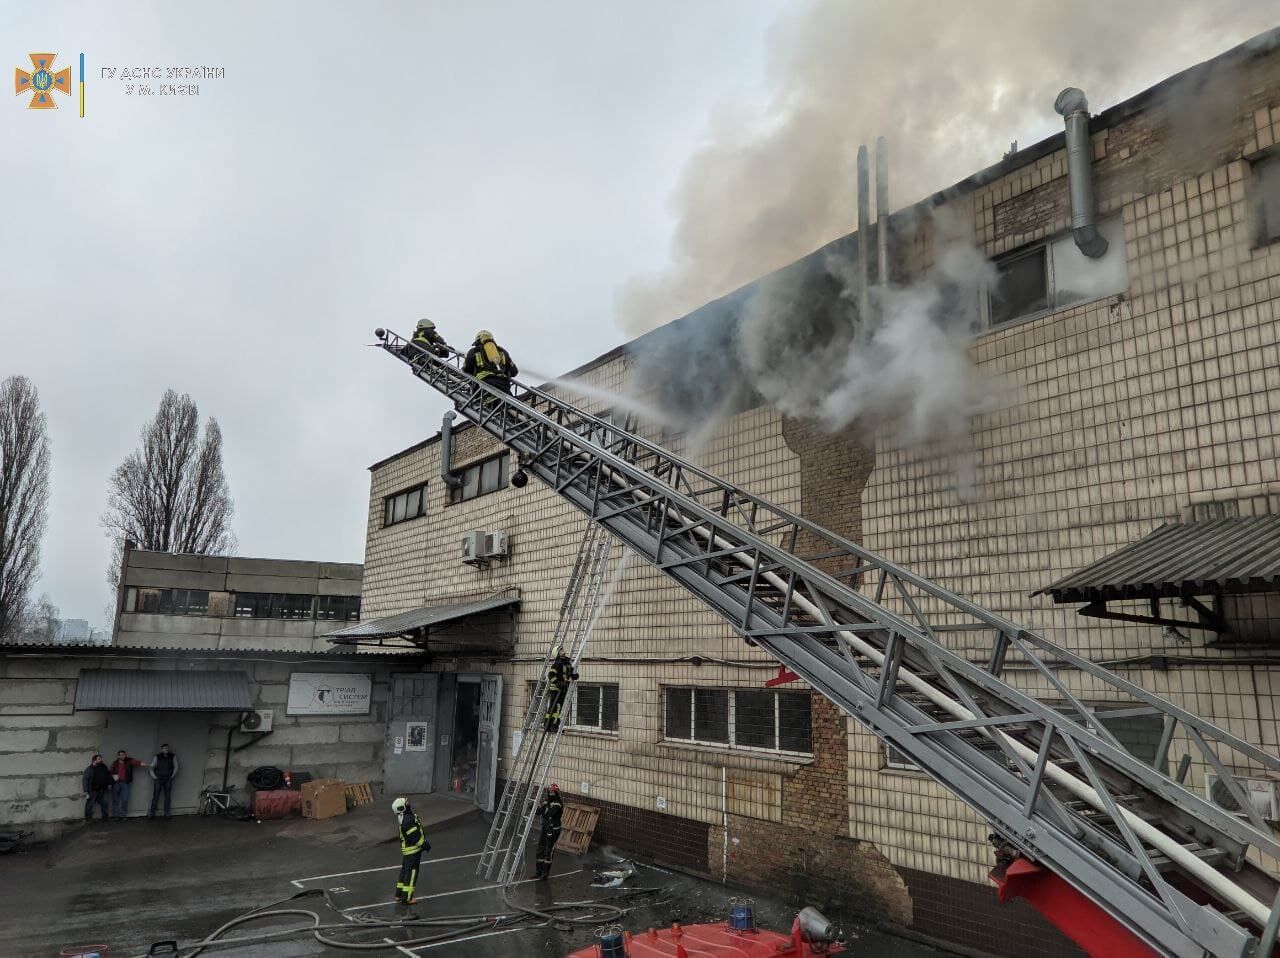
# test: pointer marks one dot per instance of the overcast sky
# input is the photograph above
(506, 165)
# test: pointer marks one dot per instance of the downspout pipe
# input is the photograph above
(446, 451)
(1074, 107)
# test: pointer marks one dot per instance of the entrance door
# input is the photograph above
(141, 733)
(490, 717)
(411, 734)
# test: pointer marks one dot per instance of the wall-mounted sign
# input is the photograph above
(417, 736)
(324, 693)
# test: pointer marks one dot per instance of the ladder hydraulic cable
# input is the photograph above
(503, 853)
(925, 669)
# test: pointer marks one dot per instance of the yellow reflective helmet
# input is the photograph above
(484, 336)
(426, 324)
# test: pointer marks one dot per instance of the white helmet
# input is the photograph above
(399, 805)
(426, 324)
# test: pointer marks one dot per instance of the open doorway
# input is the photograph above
(466, 738)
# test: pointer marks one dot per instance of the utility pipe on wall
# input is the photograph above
(1074, 107)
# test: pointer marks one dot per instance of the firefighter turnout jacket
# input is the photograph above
(412, 837)
(486, 359)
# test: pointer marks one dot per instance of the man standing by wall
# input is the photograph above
(96, 784)
(122, 770)
(164, 769)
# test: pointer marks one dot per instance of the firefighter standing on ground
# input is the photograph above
(413, 842)
(489, 362)
(551, 810)
(559, 676)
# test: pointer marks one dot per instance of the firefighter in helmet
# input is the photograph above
(559, 676)
(489, 362)
(413, 842)
(551, 810)
(427, 337)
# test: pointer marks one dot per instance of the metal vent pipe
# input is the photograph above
(446, 451)
(1074, 107)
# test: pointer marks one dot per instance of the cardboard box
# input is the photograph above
(324, 798)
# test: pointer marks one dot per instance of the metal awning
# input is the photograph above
(483, 625)
(147, 689)
(1180, 561)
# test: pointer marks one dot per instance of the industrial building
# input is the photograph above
(1124, 502)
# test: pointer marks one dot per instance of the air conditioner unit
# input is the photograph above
(473, 547)
(496, 544)
(257, 720)
(1262, 793)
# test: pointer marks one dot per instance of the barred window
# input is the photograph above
(761, 719)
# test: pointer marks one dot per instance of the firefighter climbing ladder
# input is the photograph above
(508, 834)
(931, 673)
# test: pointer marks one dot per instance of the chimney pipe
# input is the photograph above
(882, 211)
(864, 238)
(446, 451)
(1073, 106)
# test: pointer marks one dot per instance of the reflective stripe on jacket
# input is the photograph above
(412, 837)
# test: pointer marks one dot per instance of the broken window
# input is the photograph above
(1054, 275)
(1265, 188)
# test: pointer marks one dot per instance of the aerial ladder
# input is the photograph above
(503, 853)
(1122, 855)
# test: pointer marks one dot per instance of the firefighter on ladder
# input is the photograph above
(551, 810)
(413, 842)
(559, 676)
(425, 336)
(490, 363)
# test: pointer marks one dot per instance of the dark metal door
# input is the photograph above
(411, 734)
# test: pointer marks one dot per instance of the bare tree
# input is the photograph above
(170, 494)
(41, 623)
(24, 498)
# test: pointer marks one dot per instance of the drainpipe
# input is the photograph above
(446, 453)
(1073, 106)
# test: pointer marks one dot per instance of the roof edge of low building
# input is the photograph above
(87, 650)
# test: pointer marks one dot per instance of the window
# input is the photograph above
(404, 506)
(740, 718)
(167, 601)
(895, 759)
(273, 605)
(594, 706)
(1055, 274)
(481, 478)
(339, 608)
(1266, 191)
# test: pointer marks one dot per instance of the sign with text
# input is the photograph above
(324, 693)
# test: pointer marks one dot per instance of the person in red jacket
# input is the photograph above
(122, 771)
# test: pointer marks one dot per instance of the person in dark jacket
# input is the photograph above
(96, 785)
(164, 769)
(490, 363)
(559, 676)
(425, 336)
(413, 842)
(122, 771)
(551, 810)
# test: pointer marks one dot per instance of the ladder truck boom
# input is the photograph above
(1165, 870)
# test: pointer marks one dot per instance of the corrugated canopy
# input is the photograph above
(416, 623)
(1218, 556)
(146, 689)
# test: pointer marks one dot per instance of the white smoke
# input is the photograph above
(950, 85)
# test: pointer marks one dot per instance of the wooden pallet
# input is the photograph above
(577, 825)
(359, 794)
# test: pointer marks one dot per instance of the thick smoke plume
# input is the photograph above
(949, 84)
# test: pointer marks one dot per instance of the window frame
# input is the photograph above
(1264, 232)
(731, 719)
(1112, 223)
(402, 498)
(572, 710)
(459, 493)
(349, 605)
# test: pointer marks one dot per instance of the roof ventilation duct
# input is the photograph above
(1073, 106)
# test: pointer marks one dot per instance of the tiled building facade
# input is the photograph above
(1157, 401)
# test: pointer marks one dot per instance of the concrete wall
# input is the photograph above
(45, 744)
(222, 576)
